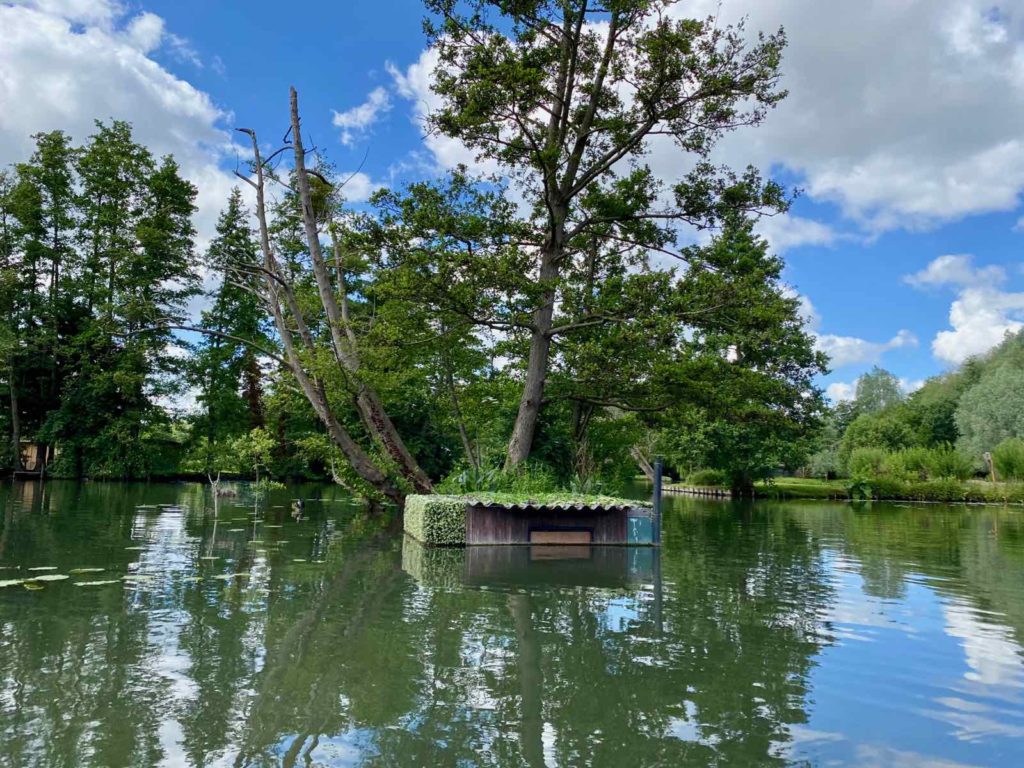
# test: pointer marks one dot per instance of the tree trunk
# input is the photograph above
(15, 424)
(529, 659)
(525, 428)
(467, 444)
(645, 464)
(312, 389)
(371, 408)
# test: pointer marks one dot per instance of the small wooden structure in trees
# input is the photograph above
(34, 459)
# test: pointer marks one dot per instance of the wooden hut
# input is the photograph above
(571, 521)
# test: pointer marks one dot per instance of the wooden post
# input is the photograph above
(657, 500)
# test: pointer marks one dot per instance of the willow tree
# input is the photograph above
(565, 98)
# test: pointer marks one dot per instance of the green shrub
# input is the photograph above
(708, 477)
(1008, 457)
(915, 463)
(439, 520)
(946, 462)
(530, 478)
(867, 462)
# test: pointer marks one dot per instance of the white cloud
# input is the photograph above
(145, 32)
(94, 12)
(850, 350)
(840, 391)
(358, 187)
(956, 270)
(904, 114)
(87, 60)
(982, 313)
(414, 84)
(846, 350)
(356, 122)
(981, 318)
(788, 231)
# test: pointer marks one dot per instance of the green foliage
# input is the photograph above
(993, 409)
(946, 462)
(911, 464)
(708, 477)
(531, 477)
(254, 450)
(1008, 458)
(885, 431)
(224, 369)
(867, 462)
(96, 260)
(438, 520)
(877, 390)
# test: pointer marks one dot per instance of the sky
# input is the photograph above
(902, 131)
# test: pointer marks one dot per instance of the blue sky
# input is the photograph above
(902, 129)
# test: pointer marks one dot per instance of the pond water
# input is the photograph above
(768, 634)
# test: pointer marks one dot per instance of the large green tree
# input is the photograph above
(97, 255)
(564, 98)
(225, 367)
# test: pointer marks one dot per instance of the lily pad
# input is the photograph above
(134, 549)
(32, 587)
(273, 526)
(209, 557)
(229, 576)
(43, 568)
(11, 582)
(51, 577)
(235, 530)
(137, 578)
(77, 571)
(96, 583)
(299, 560)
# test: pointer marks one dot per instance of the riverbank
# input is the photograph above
(878, 489)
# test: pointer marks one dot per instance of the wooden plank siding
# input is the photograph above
(501, 525)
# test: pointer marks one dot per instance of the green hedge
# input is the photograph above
(892, 489)
(436, 519)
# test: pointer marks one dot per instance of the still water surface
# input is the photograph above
(773, 634)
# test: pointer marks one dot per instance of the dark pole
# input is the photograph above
(658, 466)
(657, 501)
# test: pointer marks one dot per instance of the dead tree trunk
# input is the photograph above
(279, 295)
(368, 402)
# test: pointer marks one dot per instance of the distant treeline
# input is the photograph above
(942, 430)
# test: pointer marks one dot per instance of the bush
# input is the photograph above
(708, 477)
(915, 462)
(1008, 457)
(948, 463)
(437, 520)
(867, 462)
(528, 478)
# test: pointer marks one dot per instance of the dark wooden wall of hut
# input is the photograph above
(495, 525)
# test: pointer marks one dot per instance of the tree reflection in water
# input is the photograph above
(390, 654)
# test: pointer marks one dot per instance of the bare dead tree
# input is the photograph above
(300, 347)
(342, 336)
